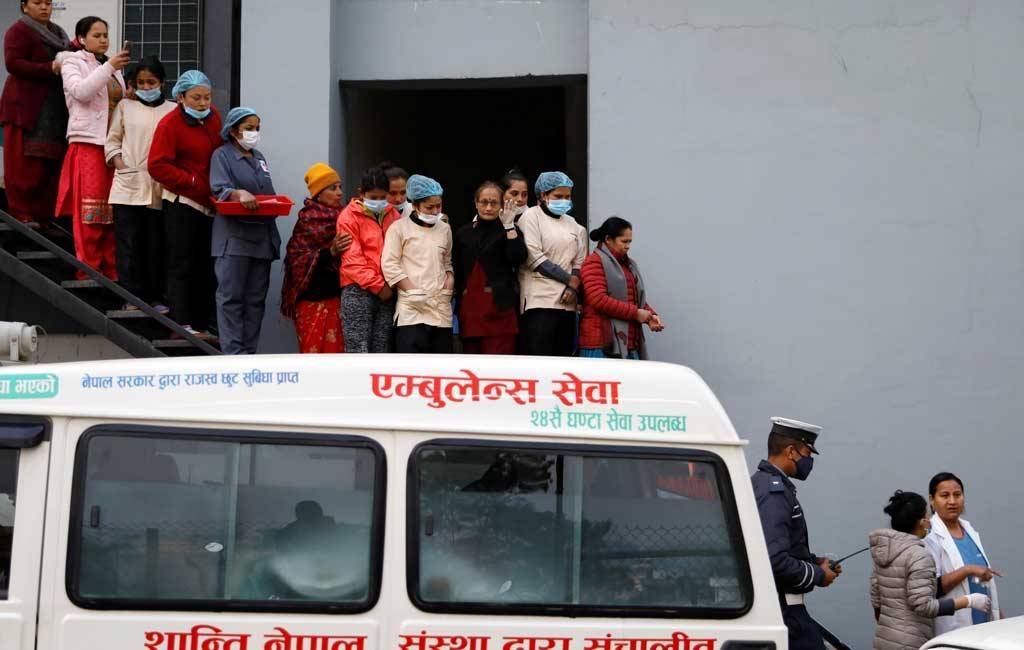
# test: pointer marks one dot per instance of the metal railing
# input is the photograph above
(8, 264)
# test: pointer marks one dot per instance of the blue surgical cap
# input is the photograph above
(189, 80)
(420, 187)
(235, 115)
(548, 181)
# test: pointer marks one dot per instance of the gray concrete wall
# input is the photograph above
(57, 348)
(294, 97)
(441, 39)
(9, 12)
(827, 211)
(218, 46)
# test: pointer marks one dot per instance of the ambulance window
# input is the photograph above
(574, 531)
(184, 521)
(8, 487)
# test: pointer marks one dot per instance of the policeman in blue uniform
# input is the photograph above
(797, 571)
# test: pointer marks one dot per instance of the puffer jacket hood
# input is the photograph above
(888, 544)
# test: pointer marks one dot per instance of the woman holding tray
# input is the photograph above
(243, 248)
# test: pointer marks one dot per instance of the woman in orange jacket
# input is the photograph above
(367, 302)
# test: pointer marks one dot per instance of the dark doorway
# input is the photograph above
(463, 132)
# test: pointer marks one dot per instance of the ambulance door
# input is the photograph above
(24, 463)
(527, 545)
(199, 538)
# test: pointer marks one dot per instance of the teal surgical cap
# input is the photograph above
(235, 115)
(189, 80)
(548, 181)
(420, 187)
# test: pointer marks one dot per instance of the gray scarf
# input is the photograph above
(615, 278)
(51, 33)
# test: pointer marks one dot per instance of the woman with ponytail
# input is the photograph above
(615, 306)
(904, 590)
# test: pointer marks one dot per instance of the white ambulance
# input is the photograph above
(376, 502)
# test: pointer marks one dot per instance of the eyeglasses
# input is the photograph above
(489, 203)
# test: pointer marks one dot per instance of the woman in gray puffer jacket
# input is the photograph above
(903, 579)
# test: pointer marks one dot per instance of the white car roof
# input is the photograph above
(593, 398)
(1007, 634)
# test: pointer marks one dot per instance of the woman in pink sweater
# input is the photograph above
(91, 81)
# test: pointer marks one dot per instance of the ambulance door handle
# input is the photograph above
(94, 517)
(428, 524)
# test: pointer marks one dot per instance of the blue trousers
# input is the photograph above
(803, 632)
(242, 284)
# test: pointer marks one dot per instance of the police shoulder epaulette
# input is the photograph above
(775, 485)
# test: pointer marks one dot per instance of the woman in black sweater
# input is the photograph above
(487, 255)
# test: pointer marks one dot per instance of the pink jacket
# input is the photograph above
(86, 94)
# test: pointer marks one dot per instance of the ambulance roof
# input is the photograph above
(593, 398)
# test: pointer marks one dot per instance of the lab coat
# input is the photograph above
(942, 546)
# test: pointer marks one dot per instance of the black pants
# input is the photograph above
(366, 320)
(803, 631)
(424, 339)
(139, 232)
(190, 280)
(548, 332)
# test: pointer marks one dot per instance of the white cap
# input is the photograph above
(796, 424)
(802, 431)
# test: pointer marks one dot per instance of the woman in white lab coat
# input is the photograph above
(960, 558)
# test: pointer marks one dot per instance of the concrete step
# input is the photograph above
(165, 344)
(36, 255)
(127, 313)
(80, 284)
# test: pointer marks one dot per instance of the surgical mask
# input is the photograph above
(150, 95)
(520, 209)
(249, 140)
(198, 115)
(429, 219)
(804, 467)
(376, 206)
(559, 206)
(401, 206)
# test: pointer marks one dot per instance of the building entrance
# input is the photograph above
(463, 132)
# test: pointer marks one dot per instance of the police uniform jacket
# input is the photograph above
(795, 568)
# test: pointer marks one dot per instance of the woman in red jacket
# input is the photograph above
(33, 113)
(179, 159)
(614, 304)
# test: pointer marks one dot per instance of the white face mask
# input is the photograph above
(429, 219)
(520, 209)
(249, 140)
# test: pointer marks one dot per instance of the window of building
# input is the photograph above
(174, 520)
(169, 29)
(574, 531)
(8, 491)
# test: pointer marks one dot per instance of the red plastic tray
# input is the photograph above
(271, 205)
